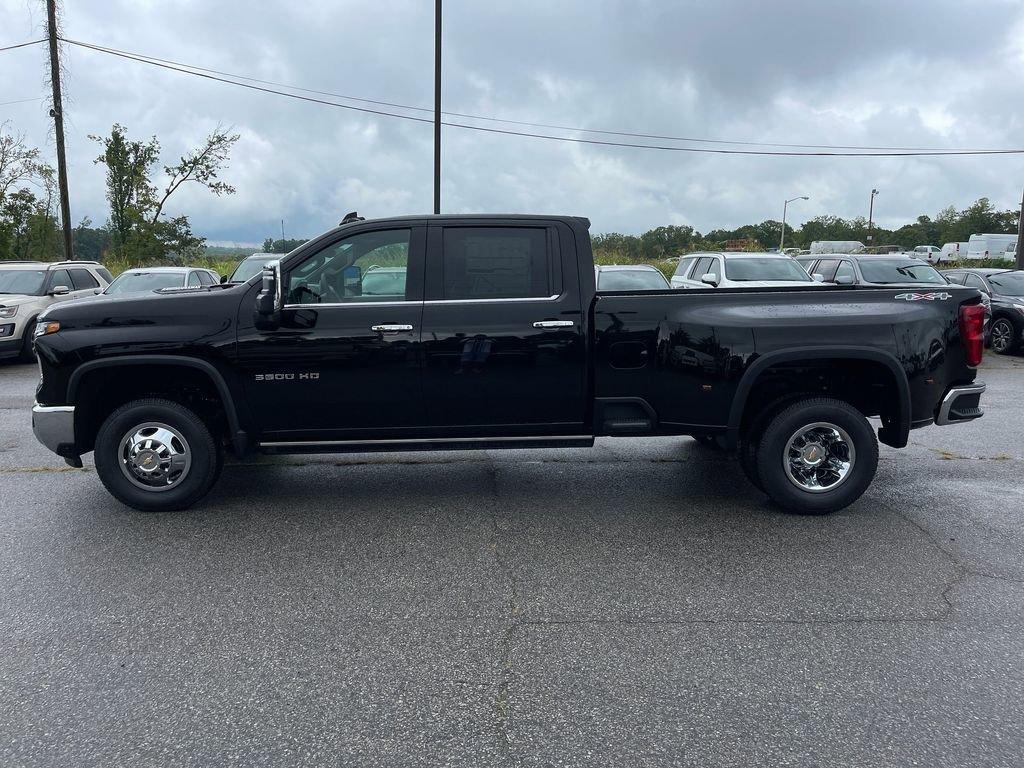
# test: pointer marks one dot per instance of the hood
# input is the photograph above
(16, 299)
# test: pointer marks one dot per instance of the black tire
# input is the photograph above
(746, 452)
(1003, 336)
(773, 456)
(28, 354)
(204, 453)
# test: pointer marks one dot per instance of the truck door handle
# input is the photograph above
(554, 324)
(390, 328)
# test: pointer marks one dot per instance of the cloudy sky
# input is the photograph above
(928, 73)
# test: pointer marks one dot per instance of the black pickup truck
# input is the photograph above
(457, 332)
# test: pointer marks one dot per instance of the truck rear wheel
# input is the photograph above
(817, 456)
(157, 456)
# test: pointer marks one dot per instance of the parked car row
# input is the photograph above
(29, 287)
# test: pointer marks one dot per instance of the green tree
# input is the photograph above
(140, 230)
(270, 245)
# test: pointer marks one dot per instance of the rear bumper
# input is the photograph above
(961, 404)
(54, 427)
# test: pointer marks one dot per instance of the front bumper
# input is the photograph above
(961, 404)
(54, 427)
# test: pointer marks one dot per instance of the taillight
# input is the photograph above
(972, 332)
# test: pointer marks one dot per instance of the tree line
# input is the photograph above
(949, 225)
(139, 231)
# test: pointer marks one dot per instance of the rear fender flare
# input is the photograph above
(897, 436)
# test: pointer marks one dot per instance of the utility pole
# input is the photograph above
(437, 106)
(57, 113)
(282, 232)
(1020, 234)
(871, 213)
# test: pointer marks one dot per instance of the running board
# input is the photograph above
(432, 444)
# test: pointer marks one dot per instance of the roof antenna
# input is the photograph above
(350, 217)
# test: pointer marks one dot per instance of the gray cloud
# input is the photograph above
(871, 73)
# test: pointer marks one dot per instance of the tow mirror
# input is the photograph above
(269, 300)
(60, 290)
(710, 279)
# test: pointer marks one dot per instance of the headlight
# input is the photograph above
(8, 311)
(46, 327)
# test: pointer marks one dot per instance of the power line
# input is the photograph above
(18, 101)
(573, 140)
(655, 136)
(22, 45)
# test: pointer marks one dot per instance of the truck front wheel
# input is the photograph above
(817, 456)
(157, 455)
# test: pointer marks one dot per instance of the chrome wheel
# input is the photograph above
(1002, 336)
(819, 457)
(154, 456)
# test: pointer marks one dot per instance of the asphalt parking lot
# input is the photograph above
(635, 604)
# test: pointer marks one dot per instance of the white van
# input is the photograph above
(991, 246)
(837, 246)
(953, 251)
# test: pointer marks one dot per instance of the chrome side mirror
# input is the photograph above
(844, 280)
(818, 278)
(60, 290)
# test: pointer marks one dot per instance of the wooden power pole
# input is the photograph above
(57, 113)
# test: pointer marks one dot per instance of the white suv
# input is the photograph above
(29, 287)
(739, 270)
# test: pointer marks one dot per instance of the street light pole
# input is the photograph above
(871, 213)
(437, 106)
(785, 205)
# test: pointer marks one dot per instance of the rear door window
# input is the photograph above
(684, 264)
(82, 279)
(496, 263)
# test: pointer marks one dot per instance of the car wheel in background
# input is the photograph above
(157, 456)
(817, 456)
(1003, 336)
(28, 353)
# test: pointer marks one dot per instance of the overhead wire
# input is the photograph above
(234, 80)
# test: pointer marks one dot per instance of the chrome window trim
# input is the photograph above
(427, 301)
(494, 301)
(338, 305)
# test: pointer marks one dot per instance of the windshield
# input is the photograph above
(251, 267)
(143, 282)
(28, 281)
(1009, 284)
(631, 280)
(886, 271)
(742, 270)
